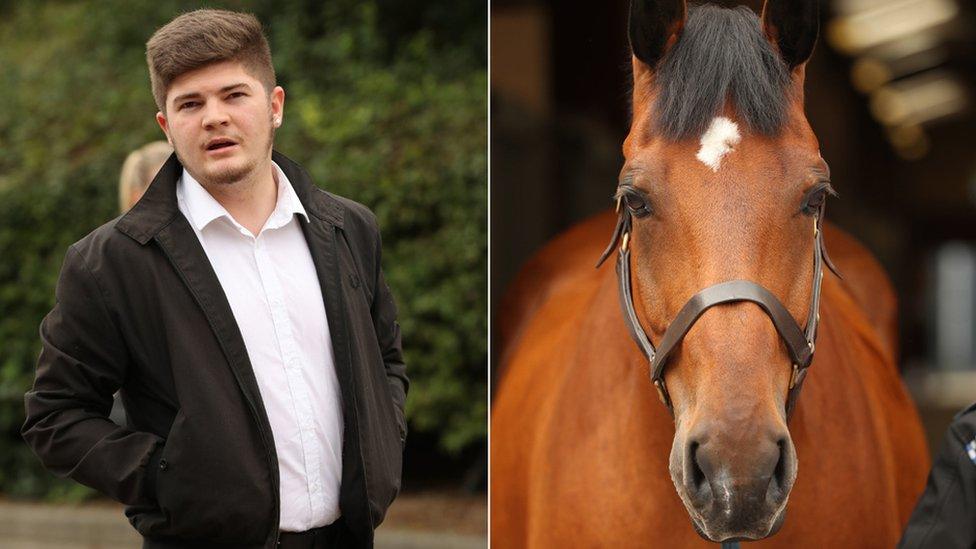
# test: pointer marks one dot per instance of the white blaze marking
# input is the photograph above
(718, 141)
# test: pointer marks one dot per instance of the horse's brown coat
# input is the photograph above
(580, 443)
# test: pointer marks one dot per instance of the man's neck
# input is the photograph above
(249, 201)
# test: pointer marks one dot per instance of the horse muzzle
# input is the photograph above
(734, 492)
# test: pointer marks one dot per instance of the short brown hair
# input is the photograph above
(199, 38)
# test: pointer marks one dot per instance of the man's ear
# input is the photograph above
(278, 104)
(164, 125)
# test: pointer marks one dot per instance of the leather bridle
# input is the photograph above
(799, 342)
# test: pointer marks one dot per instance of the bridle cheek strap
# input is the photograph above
(799, 342)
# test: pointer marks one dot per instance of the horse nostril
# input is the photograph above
(782, 473)
(779, 473)
(696, 480)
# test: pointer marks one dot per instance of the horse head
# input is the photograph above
(723, 181)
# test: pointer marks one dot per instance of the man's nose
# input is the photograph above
(213, 116)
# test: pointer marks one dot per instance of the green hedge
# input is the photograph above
(384, 104)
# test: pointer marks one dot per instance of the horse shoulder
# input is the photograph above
(866, 298)
(535, 318)
(865, 280)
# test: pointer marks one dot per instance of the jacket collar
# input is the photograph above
(201, 208)
(158, 206)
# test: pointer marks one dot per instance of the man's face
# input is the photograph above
(221, 122)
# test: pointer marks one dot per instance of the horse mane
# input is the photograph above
(721, 55)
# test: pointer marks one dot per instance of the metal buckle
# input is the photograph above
(793, 375)
(660, 391)
(625, 241)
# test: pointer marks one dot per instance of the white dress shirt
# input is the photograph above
(272, 287)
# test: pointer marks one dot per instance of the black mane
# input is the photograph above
(722, 54)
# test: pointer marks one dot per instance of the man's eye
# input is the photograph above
(188, 105)
(237, 94)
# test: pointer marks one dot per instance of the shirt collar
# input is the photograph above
(203, 208)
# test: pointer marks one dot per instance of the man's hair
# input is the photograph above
(202, 37)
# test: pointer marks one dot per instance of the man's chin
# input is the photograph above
(225, 173)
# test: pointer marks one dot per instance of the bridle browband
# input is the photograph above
(799, 342)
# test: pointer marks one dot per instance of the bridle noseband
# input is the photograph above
(799, 342)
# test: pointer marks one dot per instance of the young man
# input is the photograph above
(244, 315)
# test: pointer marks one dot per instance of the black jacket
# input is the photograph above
(140, 308)
(945, 515)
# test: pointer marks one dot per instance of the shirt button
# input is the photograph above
(354, 281)
(163, 465)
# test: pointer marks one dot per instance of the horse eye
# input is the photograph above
(635, 202)
(814, 199)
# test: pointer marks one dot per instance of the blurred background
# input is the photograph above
(386, 104)
(890, 93)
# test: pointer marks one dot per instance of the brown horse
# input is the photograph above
(724, 180)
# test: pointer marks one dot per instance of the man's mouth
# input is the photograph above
(220, 143)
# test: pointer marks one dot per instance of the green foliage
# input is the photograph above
(388, 110)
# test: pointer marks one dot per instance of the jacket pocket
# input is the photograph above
(162, 466)
(154, 520)
(210, 486)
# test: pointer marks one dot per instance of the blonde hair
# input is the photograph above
(139, 169)
(203, 37)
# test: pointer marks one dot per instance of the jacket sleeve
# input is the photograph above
(82, 364)
(384, 312)
(945, 515)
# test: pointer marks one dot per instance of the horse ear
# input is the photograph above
(654, 27)
(793, 26)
